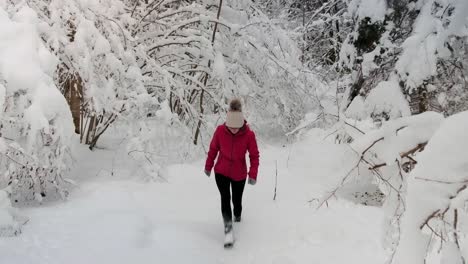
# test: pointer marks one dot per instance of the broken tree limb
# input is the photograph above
(405, 154)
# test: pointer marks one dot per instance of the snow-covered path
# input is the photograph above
(117, 219)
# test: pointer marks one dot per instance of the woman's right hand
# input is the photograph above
(207, 173)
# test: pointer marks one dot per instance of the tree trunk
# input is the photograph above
(205, 79)
(75, 90)
(72, 85)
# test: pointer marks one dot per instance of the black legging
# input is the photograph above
(224, 183)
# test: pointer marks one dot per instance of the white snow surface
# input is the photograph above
(387, 97)
(374, 9)
(114, 217)
(7, 222)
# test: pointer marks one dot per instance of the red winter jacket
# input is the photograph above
(232, 149)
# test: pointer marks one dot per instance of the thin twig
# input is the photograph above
(332, 193)
(276, 180)
(362, 132)
(439, 181)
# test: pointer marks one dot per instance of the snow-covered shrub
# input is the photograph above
(425, 194)
(159, 140)
(435, 218)
(35, 122)
(384, 102)
(385, 156)
(391, 154)
(100, 60)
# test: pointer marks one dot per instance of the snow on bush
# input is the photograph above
(99, 57)
(374, 9)
(437, 198)
(385, 101)
(426, 216)
(158, 141)
(398, 135)
(437, 24)
(10, 220)
(384, 156)
(36, 126)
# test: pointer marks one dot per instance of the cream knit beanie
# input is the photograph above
(235, 118)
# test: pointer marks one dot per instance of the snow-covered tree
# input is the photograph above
(100, 61)
(318, 26)
(432, 65)
(203, 53)
(418, 46)
(36, 125)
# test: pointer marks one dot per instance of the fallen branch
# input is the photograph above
(374, 167)
(419, 147)
(432, 215)
(333, 193)
(406, 154)
(438, 212)
(369, 147)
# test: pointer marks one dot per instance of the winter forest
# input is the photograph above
(109, 109)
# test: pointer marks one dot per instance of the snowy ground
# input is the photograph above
(118, 219)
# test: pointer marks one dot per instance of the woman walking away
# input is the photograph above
(230, 143)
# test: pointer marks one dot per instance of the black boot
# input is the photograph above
(237, 219)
